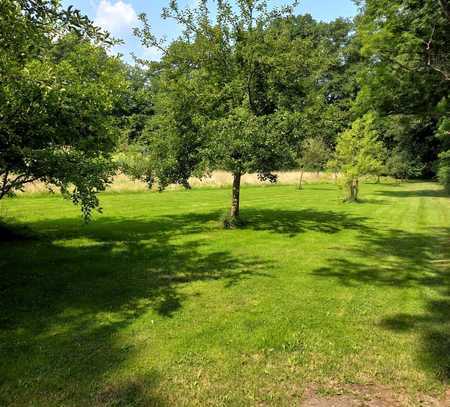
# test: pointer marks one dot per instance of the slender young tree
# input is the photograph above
(358, 153)
(314, 154)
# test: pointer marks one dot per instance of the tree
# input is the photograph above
(247, 143)
(444, 170)
(314, 154)
(135, 105)
(58, 90)
(401, 165)
(358, 153)
(221, 93)
(444, 157)
(405, 46)
(329, 89)
(333, 165)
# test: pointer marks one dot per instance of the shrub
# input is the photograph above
(444, 170)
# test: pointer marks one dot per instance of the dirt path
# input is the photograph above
(369, 396)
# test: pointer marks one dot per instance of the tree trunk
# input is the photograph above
(300, 181)
(234, 212)
(186, 184)
(353, 189)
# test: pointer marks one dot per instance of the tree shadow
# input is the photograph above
(12, 232)
(64, 299)
(294, 222)
(401, 259)
(131, 392)
(375, 201)
(430, 193)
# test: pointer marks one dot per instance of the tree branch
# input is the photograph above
(429, 45)
(445, 8)
(3, 190)
(9, 185)
(445, 74)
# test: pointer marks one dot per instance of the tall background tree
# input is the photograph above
(406, 49)
(313, 156)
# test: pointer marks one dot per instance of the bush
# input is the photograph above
(444, 170)
(402, 165)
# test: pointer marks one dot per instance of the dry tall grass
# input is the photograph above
(219, 179)
(223, 179)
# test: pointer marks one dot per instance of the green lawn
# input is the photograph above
(153, 303)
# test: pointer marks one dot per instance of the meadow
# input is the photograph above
(153, 303)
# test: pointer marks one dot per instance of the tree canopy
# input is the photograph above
(59, 87)
(405, 77)
(239, 90)
(359, 152)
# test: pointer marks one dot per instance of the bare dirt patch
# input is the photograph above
(368, 396)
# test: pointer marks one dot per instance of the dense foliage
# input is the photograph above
(444, 170)
(58, 90)
(405, 77)
(238, 91)
(233, 85)
(359, 152)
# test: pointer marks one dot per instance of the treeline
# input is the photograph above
(245, 88)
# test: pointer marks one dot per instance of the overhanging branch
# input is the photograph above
(445, 8)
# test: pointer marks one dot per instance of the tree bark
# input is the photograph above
(235, 199)
(353, 189)
(4, 189)
(186, 184)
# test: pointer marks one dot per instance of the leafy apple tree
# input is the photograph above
(229, 93)
(59, 87)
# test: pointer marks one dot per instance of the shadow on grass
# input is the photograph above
(10, 232)
(65, 298)
(401, 259)
(433, 193)
(294, 222)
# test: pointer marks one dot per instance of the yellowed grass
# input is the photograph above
(219, 179)
(223, 179)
